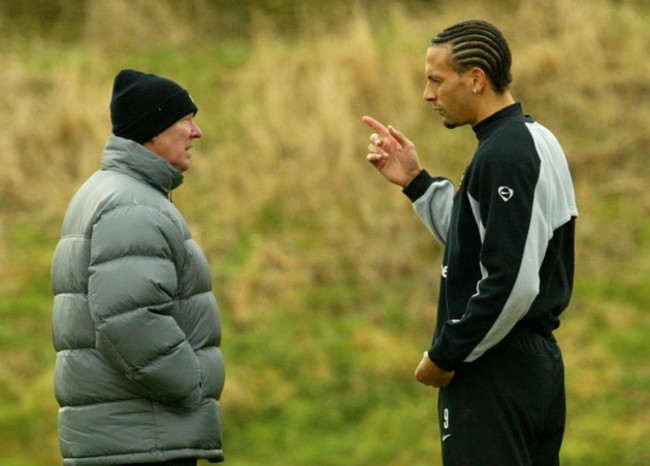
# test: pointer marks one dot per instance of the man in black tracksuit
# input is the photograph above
(507, 274)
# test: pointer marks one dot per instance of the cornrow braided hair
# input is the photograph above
(478, 43)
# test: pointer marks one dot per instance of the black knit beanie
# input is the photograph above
(143, 105)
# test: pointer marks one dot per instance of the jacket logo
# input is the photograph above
(505, 193)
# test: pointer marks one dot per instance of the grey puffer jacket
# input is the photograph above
(136, 327)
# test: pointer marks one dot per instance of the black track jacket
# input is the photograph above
(508, 234)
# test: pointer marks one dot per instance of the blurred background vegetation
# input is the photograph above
(326, 280)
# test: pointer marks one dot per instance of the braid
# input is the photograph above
(478, 43)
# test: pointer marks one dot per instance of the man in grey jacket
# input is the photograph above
(139, 370)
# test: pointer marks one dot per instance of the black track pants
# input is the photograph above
(507, 408)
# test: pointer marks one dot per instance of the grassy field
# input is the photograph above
(326, 280)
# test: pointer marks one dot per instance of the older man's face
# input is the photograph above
(175, 142)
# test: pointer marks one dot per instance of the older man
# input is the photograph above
(139, 371)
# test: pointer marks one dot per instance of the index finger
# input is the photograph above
(374, 124)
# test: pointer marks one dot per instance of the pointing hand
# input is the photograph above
(392, 153)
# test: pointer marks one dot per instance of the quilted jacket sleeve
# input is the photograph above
(136, 255)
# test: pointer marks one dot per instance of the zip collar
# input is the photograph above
(487, 126)
(129, 157)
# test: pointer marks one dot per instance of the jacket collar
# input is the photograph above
(133, 159)
(487, 126)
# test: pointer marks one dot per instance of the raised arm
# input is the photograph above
(395, 157)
